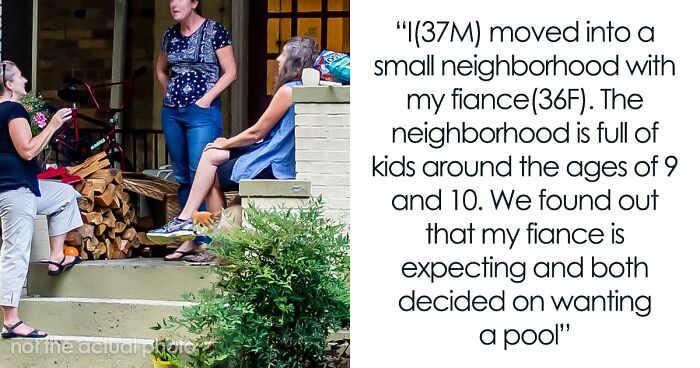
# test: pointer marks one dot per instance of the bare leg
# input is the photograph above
(11, 316)
(56, 246)
(203, 180)
(216, 199)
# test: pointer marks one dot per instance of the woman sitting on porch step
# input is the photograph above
(22, 197)
(263, 151)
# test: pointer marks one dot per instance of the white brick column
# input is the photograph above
(323, 145)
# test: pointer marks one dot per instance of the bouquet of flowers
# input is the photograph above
(39, 114)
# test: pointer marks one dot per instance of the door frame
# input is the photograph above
(258, 99)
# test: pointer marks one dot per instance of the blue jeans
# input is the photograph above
(187, 131)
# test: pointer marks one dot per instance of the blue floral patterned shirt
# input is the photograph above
(194, 67)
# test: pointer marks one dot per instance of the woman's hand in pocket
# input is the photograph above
(203, 103)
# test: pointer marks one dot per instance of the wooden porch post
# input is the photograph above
(239, 89)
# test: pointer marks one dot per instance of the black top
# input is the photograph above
(15, 172)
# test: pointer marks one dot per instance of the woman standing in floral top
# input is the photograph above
(195, 66)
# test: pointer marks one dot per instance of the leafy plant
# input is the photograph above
(283, 284)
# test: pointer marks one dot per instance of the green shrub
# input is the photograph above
(283, 284)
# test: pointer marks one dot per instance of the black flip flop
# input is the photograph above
(62, 267)
(10, 334)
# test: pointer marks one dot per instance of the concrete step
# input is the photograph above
(76, 352)
(150, 279)
(126, 318)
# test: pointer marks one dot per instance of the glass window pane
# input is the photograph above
(309, 27)
(279, 30)
(339, 5)
(279, 6)
(339, 34)
(309, 6)
(272, 71)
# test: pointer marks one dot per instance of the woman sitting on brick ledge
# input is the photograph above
(22, 197)
(263, 151)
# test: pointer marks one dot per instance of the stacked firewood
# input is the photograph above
(107, 213)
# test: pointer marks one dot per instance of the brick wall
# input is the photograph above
(75, 40)
(323, 145)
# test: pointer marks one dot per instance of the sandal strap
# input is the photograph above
(12, 328)
(57, 264)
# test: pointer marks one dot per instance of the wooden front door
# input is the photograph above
(273, 22)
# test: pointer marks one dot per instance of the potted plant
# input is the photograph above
(164, 353)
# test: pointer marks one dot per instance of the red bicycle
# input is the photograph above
(70, 148)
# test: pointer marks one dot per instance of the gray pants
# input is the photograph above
(18, 210)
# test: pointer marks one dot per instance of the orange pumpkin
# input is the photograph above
(71, 251)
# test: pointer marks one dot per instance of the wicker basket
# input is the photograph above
(155, 188)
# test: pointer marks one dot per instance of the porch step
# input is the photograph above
(76, 352)
(125, 318)
(150, 279)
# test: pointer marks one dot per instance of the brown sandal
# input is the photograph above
(182, 254)
(203, 258)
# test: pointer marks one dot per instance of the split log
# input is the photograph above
(124, 245)
(79, 186)
(98, 184)
(100, 250)
(94, 218)
(86, 171)
(83, 253)
(121, 197)
(87, 163)
(116, 203)
(94, 241)
(73, 239)
(88, 191)
(107, 197)
(124, 210)
(100, 229)
(86, 231)
(117, 176)
(131, 216)
(129, 234)
(86, 205)
(89, 247)
(113, 249)
(109, 219)
(119, 227)
(103, 174)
